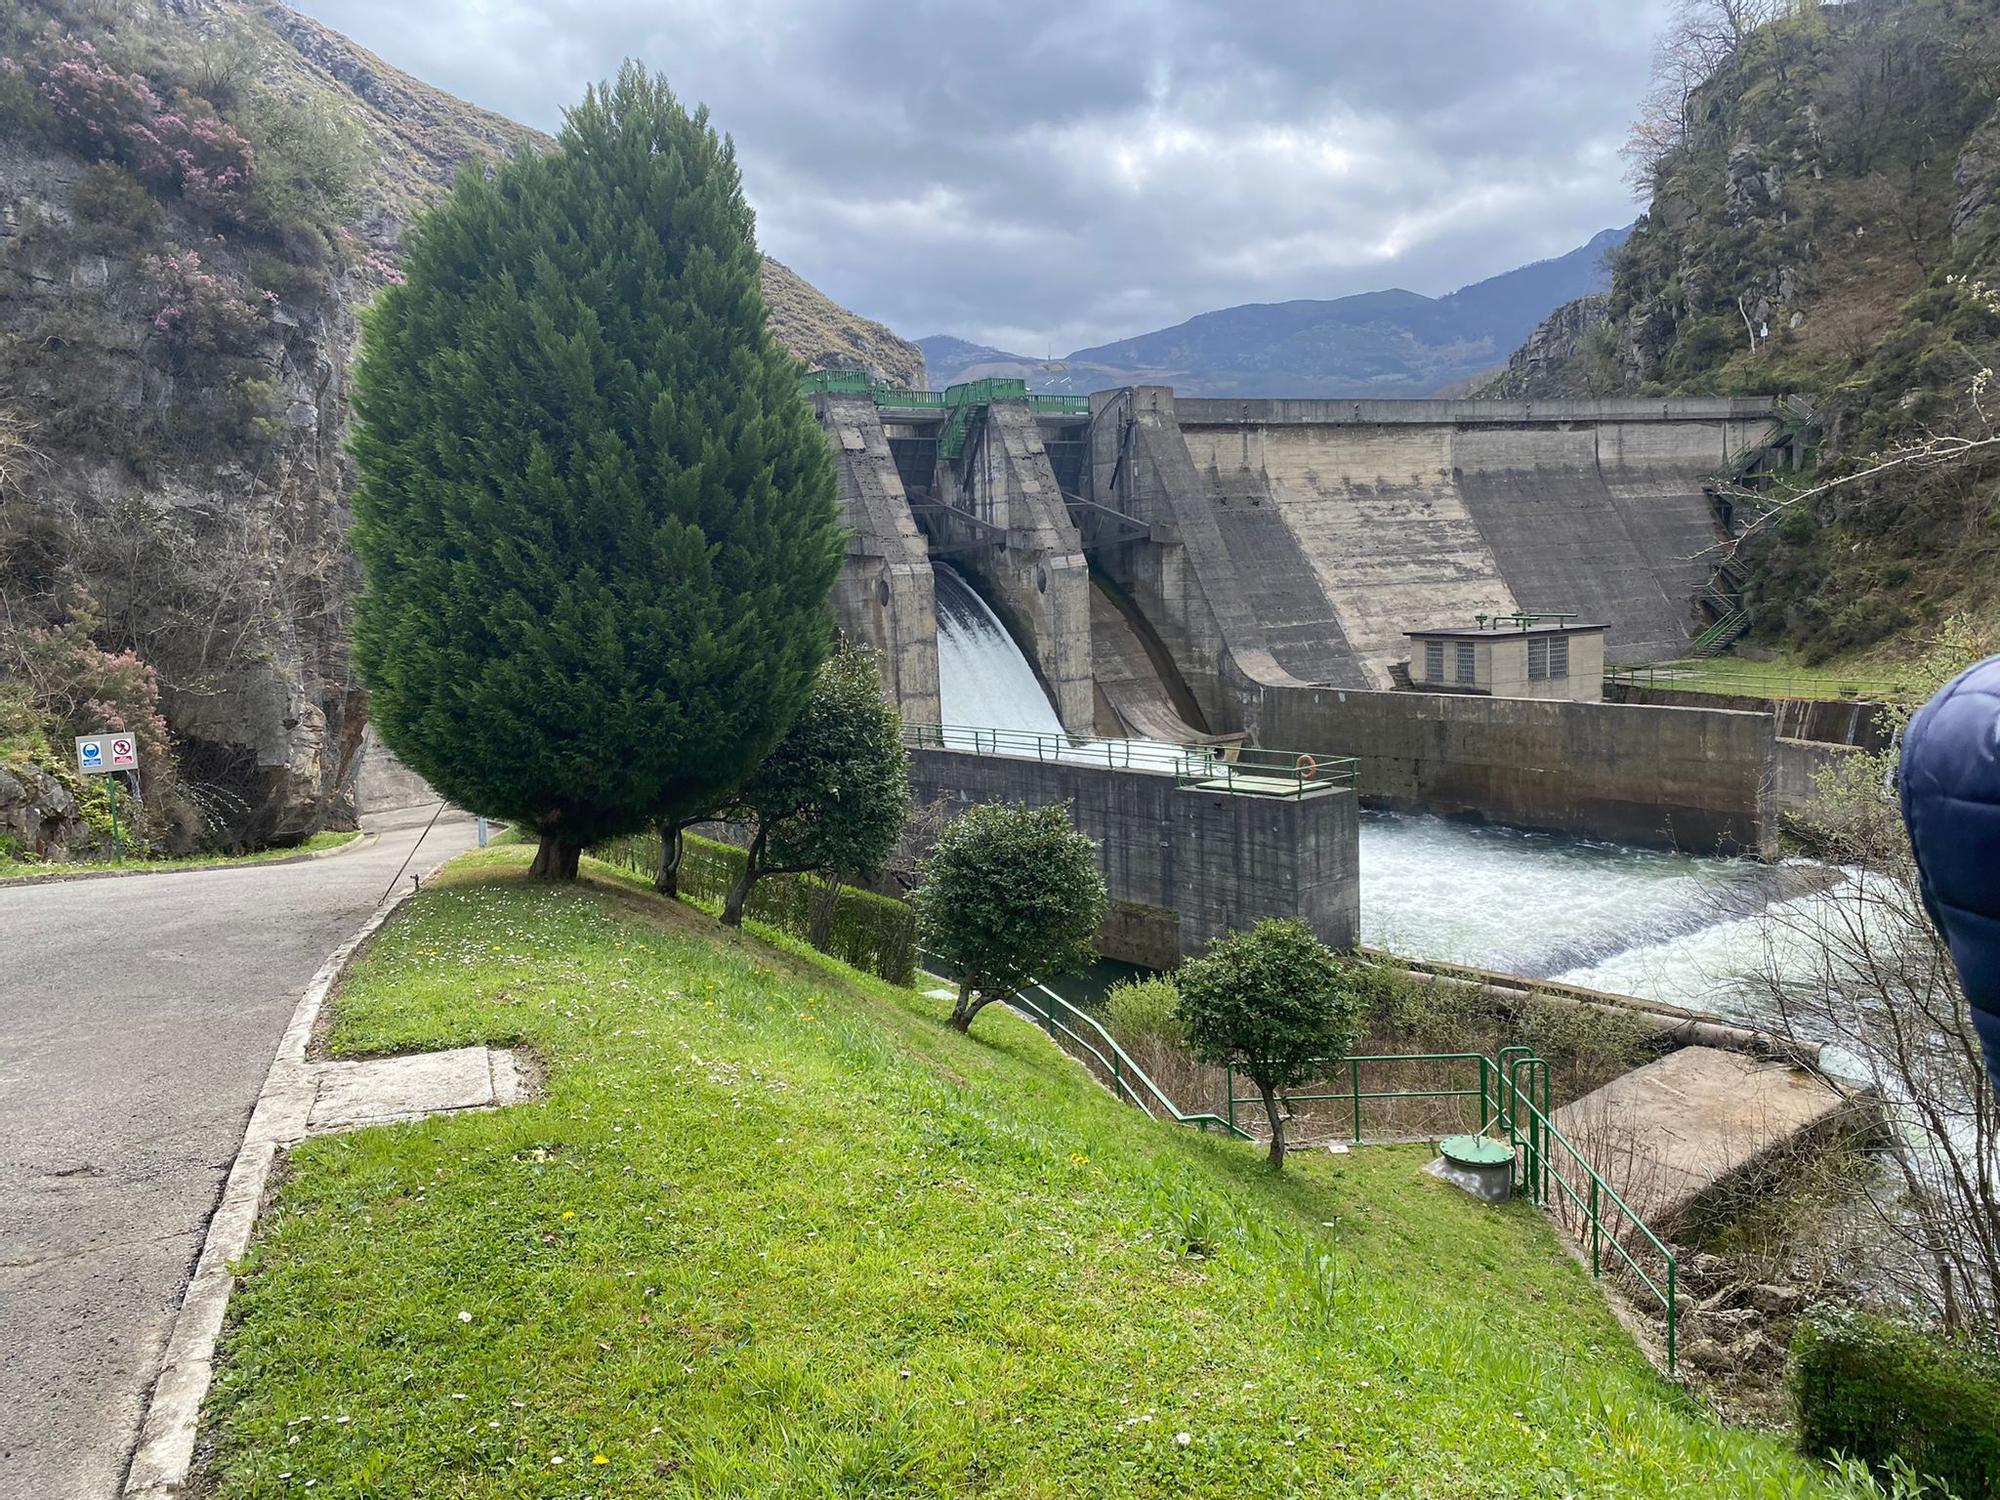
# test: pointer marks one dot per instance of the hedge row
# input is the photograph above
(1876, 1390)
(870, 932)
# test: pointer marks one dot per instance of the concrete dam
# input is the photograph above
(1190, 570)
(1162, 558)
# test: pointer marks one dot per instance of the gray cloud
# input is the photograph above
(1044, 177)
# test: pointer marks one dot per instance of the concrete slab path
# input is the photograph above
(138, 1021)
(1666, 1133)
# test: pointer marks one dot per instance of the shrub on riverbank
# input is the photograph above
(1877, 1391)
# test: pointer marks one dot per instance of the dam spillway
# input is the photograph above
(984, 678)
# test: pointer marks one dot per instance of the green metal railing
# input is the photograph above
(837, 382)
(903, 395)
(1701, 678)
(1724, 633)
(1099, 1050)
(1608, 1219)
(961, 397)
(1067, 749)
(1243, 770)
(1485, 1093)
(1252, 771)
(1065, 406)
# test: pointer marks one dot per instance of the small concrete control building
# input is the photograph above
(1511, 656)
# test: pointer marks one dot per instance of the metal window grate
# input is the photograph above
(1538, 660)
(1465, 661)
(1559, 656)
(1434, 661)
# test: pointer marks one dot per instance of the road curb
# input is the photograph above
(165, 1452)
(359, 841)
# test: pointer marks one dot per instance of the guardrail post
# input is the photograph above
(1354, 1075)
(1229, 1094)
(1485, 1117)
(1117, 1075)
(1596, 1229)
(1673, 1311)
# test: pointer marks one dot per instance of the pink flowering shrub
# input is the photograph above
(370, 260)
(83, 689)
(118, 117)
(200, 312)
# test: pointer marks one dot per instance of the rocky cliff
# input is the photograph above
(196, 197)
(1822, 221)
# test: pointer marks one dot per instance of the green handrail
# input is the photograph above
(1674, 677)
(1128, 1080)
(1533, 1142)
(1355, 1094)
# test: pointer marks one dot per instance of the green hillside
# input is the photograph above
(774, 1230)
(1822, 223)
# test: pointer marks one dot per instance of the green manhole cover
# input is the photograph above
(1476, 1150)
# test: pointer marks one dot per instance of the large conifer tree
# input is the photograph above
(596, 514)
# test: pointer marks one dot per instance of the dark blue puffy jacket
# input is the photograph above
(1951, 802)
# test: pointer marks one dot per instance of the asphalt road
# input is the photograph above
(138, 1018)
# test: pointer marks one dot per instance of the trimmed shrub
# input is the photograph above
(1273, 1003)
(1877, 1390)
(1146, 1010)
(871, 932)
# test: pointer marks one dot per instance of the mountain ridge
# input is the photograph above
(1387, 342)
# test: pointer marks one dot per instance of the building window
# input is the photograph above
(1433, 661)
(1465, 659)
(1538, 658)
(1559, 656)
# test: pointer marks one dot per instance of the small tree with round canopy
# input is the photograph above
(1272, 1003)
(1009, 894)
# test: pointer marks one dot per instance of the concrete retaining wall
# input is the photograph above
(1800, 764)
(1689, 778)
(1182, 866)
(1833, 721)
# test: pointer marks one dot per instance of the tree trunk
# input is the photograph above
(554, 860)
(1271, 1113)
(667, 879)
(739, 893)
(967, 1007)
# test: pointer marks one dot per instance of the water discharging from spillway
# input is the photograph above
(1663, 926)
(984, 679)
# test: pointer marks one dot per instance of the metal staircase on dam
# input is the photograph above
(1723, 596)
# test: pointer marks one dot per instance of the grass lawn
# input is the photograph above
(10, 868)
(1777, 679)
(775, 1231)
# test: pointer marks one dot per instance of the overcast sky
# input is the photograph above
(1043, 177)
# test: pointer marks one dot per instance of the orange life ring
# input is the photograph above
(1307, 767)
